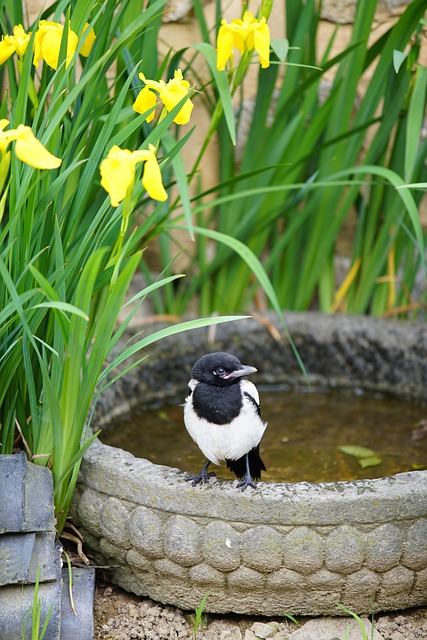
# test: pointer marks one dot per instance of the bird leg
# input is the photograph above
(247, 480)
(203, 475)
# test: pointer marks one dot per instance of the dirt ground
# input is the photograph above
(123, 616)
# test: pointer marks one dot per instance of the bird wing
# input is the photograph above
(250, 392)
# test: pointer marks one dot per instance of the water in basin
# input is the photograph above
(303, 438)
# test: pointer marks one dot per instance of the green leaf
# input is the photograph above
(280, 48)
(169, 142)
(414, 185)
(291, 618)
(201, 21)
(259, 272)
(251, 260)
(357, 451)
(398, 59)
(393, 178)
(221, 81)
(152, 287)
(198, 619)
(188, 325)
(414, 121)
(77, 457)
(71, 391)
(104, 329)
(66, 307)
(365, 457)
(372, 461)
(359, 621)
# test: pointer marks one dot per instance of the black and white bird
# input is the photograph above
(222, 415)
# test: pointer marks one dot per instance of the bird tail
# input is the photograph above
(256, 465)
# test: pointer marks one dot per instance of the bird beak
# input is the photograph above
(244, 371)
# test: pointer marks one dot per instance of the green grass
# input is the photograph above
(307, 167)
(38, 630)
(364, 635)
(198, 615)
(67, 256)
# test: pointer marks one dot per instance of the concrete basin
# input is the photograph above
(294, 548)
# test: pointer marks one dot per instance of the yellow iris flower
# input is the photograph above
(246, 34)
(17, 43)
(118, 173)
(27, 148)
(170, 93)
(47, 43)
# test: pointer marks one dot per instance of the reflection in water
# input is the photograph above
(301, 442)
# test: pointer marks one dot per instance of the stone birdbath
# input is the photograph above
(295, 548)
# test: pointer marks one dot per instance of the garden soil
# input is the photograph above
(123, 616)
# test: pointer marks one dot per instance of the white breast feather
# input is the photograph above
(232, 440)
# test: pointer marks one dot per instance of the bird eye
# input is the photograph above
(219, 371)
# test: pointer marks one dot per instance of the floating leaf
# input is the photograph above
(357, 451)
(163, 416)
(372, 461)
(365, 457)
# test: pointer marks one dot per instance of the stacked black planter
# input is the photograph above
(30, 559)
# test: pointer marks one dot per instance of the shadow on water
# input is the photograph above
(302, 440)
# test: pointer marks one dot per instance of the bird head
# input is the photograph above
(220, 369)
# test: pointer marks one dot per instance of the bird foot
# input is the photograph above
(246, 482)
(200, 478)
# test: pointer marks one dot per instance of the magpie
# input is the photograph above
(222, 415)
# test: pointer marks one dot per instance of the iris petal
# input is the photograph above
(117, 174)
(47, 43)
(171, 95)
(21, 39)
(262, 45)
(51, 45)
(31, 151)
(184, 114)
(14, 44)
(146, 99)
(225, 43)
(88, 43)
(245, 35)
(152, 179)
(7, 48)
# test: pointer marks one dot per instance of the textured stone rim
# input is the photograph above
(296, 548)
